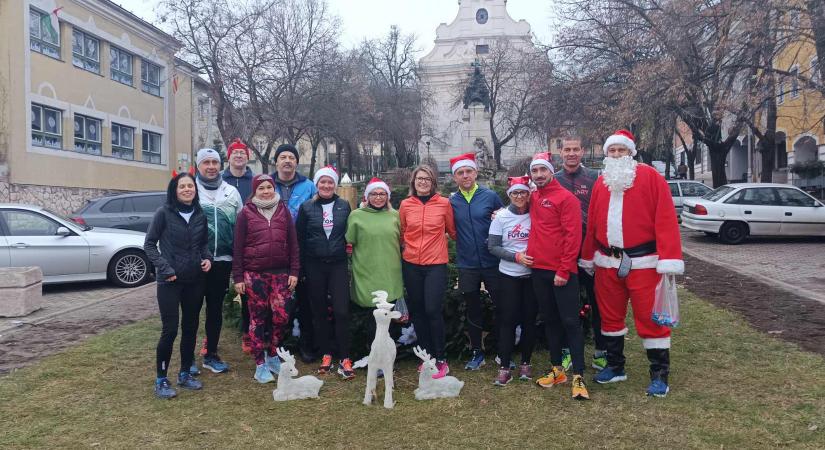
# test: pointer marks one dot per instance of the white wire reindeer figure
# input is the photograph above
(290, 388)
(382, 351)
(429, 388)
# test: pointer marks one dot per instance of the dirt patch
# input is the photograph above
(29, 343)
(771, 310)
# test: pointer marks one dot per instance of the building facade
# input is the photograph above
(93, 102)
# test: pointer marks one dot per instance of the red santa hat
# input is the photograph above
(465, 160)
(376, 183)
(621, 137)
(326, 171)
(518, 184)
(542, 159)
(237, 144)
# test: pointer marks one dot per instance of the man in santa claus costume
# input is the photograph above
(632, 240)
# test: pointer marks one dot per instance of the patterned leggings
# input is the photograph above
(269, 300)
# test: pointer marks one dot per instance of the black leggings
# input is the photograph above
(425, 299)
(217, 283)
(560, 307)
(172, 297)
(586, 281)
(516, 304)
(326, 280)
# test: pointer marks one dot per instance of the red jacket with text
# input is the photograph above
(555, 229)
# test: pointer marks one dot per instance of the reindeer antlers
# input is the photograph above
(421, 353)
(380, 300)
(284, 354)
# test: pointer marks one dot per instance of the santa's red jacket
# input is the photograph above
(555, 229)
(641, 214)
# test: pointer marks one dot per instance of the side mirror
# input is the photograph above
(63, 231)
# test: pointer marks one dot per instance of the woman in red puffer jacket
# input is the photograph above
(265, 268)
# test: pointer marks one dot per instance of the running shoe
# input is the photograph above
(579, 389)
(610, 375)
(187, 381)
(273, 363)
(554, 377)
(476, 361)
(193, 369)
(163, 389)
(262, 374)
(326, 365)
(658, 388)
(599, 362)
(566, 359)
(443, 369)
(525, 372)
(345, 369)
(503, 377)
(214, 363)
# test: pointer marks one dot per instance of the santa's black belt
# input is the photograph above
(634, 252)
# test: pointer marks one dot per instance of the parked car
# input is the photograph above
(68, 252)
(123, 211)
(681, 190)
(735, 211)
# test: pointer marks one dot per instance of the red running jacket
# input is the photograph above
(555, 229)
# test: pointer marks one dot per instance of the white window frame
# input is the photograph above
(794, 81)
(145, 84)
(82, 60)
(127, 78)
(814, 70)
(118, 149)
(85, 144)
(43, 135)
(780, 92)
(147, 153)
(38, 43)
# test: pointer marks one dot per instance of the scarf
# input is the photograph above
(212, 184)
(184, 208)
(266, 207)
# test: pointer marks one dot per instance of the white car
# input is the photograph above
(735, 211)
(67, 252)
(682, 190)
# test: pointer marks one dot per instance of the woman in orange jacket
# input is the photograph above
(426, 219)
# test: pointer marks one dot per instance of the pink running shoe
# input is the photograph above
(443, 370)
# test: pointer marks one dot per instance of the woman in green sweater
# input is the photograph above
(374, 231)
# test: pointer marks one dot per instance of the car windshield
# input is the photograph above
(69, 222)
(718, 193)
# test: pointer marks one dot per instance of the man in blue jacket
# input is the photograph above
(238, 174)
(473, 207)
(295, 189)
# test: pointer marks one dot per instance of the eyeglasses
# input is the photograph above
(519, 194)
(378, 194)
(424, 179)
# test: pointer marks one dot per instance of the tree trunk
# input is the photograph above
(767, 144)
(691, 161)
(718, 157)
(314, 158)
(816, 11)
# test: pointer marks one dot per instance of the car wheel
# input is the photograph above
(129, 268)
(733, 232)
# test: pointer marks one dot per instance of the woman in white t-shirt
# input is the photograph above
(507, 240)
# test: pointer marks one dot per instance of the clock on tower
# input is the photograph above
(481, 16)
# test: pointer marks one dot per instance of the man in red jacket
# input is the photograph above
(553, 246)
(632, 239)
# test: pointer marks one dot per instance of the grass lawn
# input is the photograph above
(732, 387)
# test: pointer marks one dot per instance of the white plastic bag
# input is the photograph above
(666, 303)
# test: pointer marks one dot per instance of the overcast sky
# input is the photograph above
(372, 18)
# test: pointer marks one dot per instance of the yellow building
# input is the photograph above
(91, 102)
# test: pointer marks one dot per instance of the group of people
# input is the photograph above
(290, 243)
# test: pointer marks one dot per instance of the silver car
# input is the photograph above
(682, 190)
(68, 252)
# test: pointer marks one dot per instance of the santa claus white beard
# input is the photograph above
(619, 173)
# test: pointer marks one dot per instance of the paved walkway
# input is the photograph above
(796, 265)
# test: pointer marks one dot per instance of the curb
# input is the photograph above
(48, 317)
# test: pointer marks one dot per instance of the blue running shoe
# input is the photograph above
(193, 370)
(273, 363)
(610, 375)
(658, 388)
(476, 361)
(163, 389)
(263, 375)
(187, 381)
(214, 363)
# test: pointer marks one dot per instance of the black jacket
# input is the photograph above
(182, 245)
(313, 242)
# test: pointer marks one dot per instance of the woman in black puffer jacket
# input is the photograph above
(322, 226)
(177, 245)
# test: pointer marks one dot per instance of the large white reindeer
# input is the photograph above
(429, 388)
(382, 351)
(290, 388)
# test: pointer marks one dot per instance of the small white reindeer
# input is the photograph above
(429, 388)
(382, 351)
(290, 388)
